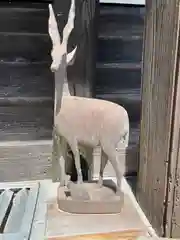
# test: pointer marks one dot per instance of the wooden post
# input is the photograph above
(159, 175)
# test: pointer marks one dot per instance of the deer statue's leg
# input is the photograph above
(118, 163)
(62, 160)
(89, 160)
(56, 171)
(119, 168)
(74, 147)
(103, 163)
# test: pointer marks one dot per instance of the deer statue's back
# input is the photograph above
(92, 121)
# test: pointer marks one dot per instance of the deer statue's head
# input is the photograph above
(60, 47)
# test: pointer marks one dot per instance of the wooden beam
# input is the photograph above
(157, 166)
(122, 235)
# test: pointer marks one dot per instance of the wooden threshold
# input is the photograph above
(122, 235)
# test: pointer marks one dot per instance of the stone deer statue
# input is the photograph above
(84, 122)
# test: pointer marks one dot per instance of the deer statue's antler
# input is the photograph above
(53, 28)
(60, 48)
(70, 23)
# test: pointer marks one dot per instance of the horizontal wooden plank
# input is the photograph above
(117, 75)
(112, 29)
(134, 2)
(5, 200)
(26, 80)
(113, 22)
(33, 161)
(124, 235)
(37, 5)
(119, 65)
(116, 50)
(16, 214)
(26, 123)
(31, 47)
(120, 10)
(26, 101)
(23, 20)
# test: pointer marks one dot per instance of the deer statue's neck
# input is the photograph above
(65, 90)
(61, 89)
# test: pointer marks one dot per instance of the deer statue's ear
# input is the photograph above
(56, 40)
(71, 57)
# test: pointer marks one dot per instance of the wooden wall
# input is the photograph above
(158, 189)
(26, 91)
(26, 82)
(118, 67)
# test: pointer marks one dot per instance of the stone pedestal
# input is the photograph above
(90, 198)
(63, 224)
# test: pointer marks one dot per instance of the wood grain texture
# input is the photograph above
(24, 79)
(173, 184)
(26, 82)
(158, 92)
(124, 235)
(23, 18)
(34, 47)
(123, 47)
(26, 123)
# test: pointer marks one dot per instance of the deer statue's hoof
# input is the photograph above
(100, 183)
(62, 183)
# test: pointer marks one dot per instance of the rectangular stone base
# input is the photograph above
(62, 224)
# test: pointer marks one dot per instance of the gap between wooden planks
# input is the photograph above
(122, 235)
